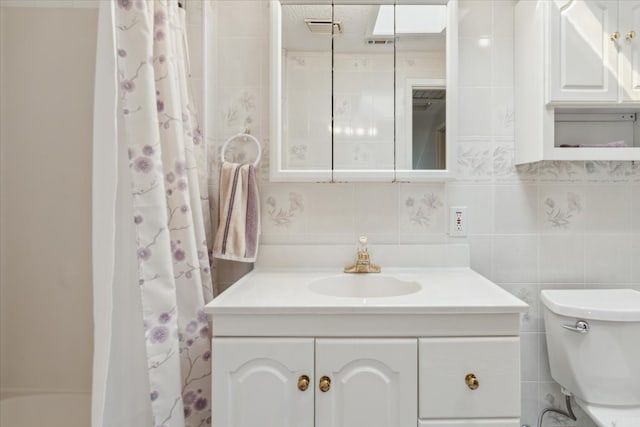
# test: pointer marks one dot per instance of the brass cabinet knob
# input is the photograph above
(615, 36)
(325, 384)
(303, 382)
(630, 35)
(472, 381)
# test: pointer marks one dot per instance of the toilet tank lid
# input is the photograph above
(621, 305)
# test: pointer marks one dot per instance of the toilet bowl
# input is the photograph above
(593, 341)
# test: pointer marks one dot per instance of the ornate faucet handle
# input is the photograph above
(363, 242)
(362, 264)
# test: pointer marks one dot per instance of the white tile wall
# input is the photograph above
(607, 258)
(562, 258)
(475, 63)
(481, 252)
(609, 208)
(515, 258)
(515, 209)
(375, 208)
(547, 225)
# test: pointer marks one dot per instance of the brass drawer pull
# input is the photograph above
(630, 35)
(325, 384)
(472, 381)
(303, 382)
(615, 36)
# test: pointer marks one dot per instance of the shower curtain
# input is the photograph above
(151, 269)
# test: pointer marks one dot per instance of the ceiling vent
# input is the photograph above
(378, 41)
(323, 25)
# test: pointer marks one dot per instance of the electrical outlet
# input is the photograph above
(458, 221)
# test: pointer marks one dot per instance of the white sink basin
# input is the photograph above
(363, 286)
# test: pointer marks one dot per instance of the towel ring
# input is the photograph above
(243, 135)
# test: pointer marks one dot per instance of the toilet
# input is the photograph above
(593, 341)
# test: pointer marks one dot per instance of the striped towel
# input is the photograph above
(239, 228)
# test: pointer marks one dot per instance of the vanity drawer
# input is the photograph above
(444, 365)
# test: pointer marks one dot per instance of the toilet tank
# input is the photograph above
(601, 366)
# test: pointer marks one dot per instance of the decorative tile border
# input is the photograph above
(608, 171)
(560, 171)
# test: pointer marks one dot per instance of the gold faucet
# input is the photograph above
(363, 264)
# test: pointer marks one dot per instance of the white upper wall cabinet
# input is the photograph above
(577, 80)
(583, 50)
(629, 25)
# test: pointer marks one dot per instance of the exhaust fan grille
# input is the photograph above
(323, 25)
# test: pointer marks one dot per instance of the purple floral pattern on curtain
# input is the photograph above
(167, 165)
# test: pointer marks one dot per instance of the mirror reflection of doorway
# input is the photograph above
(428, 129)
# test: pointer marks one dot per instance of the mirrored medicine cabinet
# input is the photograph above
(363, 90)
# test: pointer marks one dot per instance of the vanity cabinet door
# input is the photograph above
(256, 382)
(583, 62)
(373, 382)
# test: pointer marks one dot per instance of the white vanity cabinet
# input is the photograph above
(353, 382)
(300, 346)
(372, 382)
(274, 382)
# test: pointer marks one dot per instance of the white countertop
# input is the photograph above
(443, 290)
(275, 298)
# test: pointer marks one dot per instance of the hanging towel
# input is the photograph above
(239, 228)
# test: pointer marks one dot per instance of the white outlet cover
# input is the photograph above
(458, 221)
